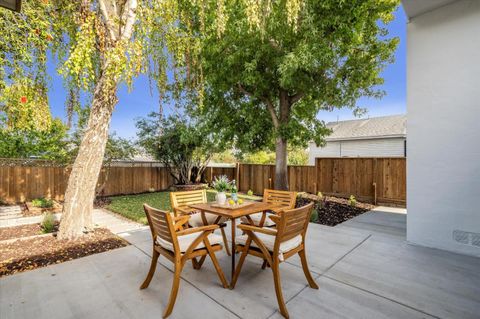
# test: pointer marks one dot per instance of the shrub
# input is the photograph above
(320, 195)
(42, 202)
(48, 223)
(352, 201)
(221, 184)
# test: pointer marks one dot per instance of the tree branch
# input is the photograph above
(296, 97)
(108, 12)
(268, 103)
(128, 19)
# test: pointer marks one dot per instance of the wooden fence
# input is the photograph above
(19, 183)
(377, 180)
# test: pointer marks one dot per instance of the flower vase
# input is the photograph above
(221, 198)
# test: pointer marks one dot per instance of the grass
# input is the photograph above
(131, 206)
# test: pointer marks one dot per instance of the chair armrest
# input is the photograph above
(275, 218)
(258, 229)
(180, 221)
(182, 211)
(197, 230)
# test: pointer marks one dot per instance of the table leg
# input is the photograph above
(233, 247)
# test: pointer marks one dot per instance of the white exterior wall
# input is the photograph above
(443, 102)
(386, 147)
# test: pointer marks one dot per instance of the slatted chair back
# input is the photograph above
(293, 222)
(161, 225)
(285, 198)
(186, 198)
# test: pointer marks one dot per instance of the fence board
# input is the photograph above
(332, 176)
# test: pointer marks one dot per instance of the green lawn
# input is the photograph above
(131, 206)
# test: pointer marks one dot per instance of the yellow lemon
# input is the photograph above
(231, 202)
(240, 201)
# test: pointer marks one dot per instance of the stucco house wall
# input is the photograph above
(443, 107)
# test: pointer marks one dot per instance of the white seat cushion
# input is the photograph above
(185, 241)
(257, 217)
(269, 242)
(197, 221)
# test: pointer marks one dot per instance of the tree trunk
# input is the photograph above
(281, 169)
(119, 18)
(80, 194)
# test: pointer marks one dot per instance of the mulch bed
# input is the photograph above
(41, 251)
(332, 211)
(22, 231)
(30, 210)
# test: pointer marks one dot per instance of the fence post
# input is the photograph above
(237, 174)
(316, 176)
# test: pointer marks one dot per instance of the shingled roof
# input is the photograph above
(375, 127)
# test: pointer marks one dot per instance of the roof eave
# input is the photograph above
(332, 139)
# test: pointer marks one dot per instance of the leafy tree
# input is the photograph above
(26, 126)
(100, 44)
(296, 156)
(180, 143)
(50, 143)
(264, 89)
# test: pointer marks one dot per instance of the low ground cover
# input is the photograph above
(332, 211)
(24, 248)
(328, 210)
(131, 206)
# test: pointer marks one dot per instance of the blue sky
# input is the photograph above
(139, 102)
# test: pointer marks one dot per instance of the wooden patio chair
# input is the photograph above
(277, 245)
(285, 198)
(180, 202)
(179, 245)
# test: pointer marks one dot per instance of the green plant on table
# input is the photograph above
(48, 223)
(250, 192)
(221, 184)
(42, 202)
(352, 201)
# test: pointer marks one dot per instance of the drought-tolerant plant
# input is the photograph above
(320, 195)
(42, 202)
(221, 183)
(48, 223)
(352, 201)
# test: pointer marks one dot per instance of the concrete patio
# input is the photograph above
(364, 268)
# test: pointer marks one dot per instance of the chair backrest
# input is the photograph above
(185, 198)
(294, 222)
(161, 225)
(284, 198)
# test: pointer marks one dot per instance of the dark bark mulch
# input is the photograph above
(332, 211)
(21, 231)
(42, 251)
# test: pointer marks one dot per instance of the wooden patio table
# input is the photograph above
(233, 214)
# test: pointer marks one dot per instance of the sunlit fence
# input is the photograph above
(376, 180)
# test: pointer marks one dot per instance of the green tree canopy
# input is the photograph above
(264, 89)
(182, 144)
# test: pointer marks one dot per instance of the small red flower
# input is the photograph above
(23, 99)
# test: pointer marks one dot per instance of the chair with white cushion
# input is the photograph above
(181, 201)
(276, 245)
(179, 245)
(285, 198)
